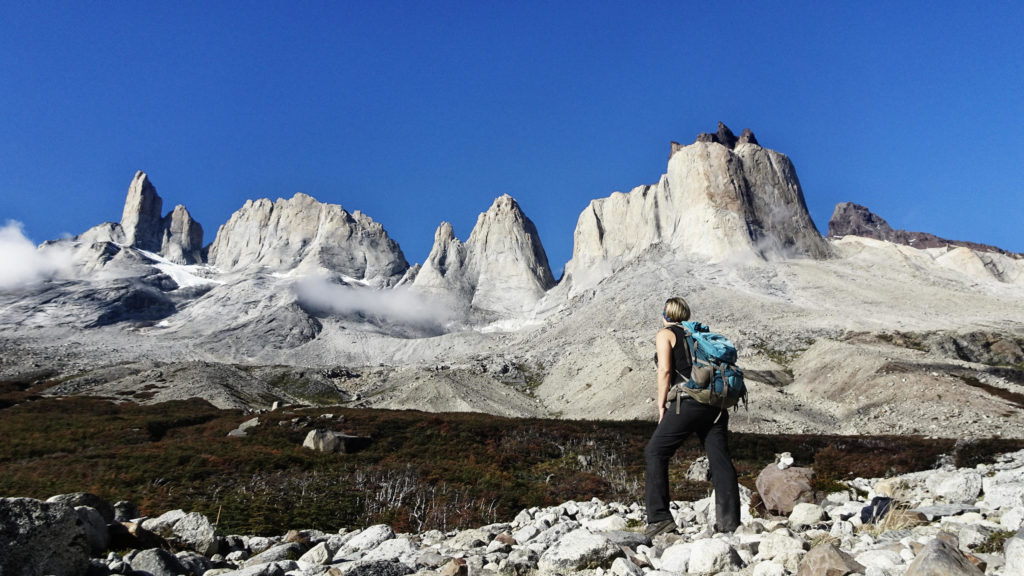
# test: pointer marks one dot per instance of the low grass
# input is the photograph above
(420, 470)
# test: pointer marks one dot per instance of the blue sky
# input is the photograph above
(418, 112)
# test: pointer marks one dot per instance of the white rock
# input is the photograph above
(769, 568)
(956, 486)
(318, 555)
(578, 550)
(1014, 557)
(623, 567)
(606, 524)
(884, 559)
(369, 538)
(391, 550)
(806, 514)
(778, 543)
(525, 534)
(676, 558)
(712, 556)
(1013, 519)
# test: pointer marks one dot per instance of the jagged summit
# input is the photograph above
(851, 219)
(501, 268)
(305, 234)
(142, 219)
(721, 198)
(175, 236)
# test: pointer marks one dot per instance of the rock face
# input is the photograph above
(141, 220)
(721, 198)
(41, 538)
(175, 236)
(849, 219)
(501, 268)
(303, 234)
(182, 238)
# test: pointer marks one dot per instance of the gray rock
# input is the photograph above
(940, 511)
(782, 490)
(194, 563)
(521, 561)
(163, 524)
(579, 550)
(41, 538)
(330, 442)
(287, 551)
(827, 560)
(195, 532)
(941, 559)
(377, 568)
(125, 511)
(157, 562)
(96, 531)
(321, 554)
(77, 499)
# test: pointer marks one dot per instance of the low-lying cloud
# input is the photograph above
(398, 307)
(22, 264)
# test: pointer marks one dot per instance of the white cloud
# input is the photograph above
(395, 306)
(22, 264)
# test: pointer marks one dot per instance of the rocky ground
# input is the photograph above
(946, 521)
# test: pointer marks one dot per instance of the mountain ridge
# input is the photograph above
(306, 285)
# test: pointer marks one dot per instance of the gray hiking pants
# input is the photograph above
(673, 430)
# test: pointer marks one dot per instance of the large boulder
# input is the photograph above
(330, 441)
(827, 560)
(76, 499)
(157, 562)
(782, 490)
(578, 550)
(38, 538)
(940, 557)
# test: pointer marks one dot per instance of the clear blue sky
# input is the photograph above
(418, 112)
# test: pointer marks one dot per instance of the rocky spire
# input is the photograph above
(182, 240)
(501, 268)
(141, 220)
(718, 200)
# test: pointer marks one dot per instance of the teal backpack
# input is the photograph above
(714, 379)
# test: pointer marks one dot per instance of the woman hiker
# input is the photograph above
(675, 426)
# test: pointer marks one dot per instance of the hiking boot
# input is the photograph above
(660, 528)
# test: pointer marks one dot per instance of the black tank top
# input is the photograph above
(681, 360)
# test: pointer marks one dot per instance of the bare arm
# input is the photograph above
(663, 343)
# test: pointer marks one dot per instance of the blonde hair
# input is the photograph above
(676, 310)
